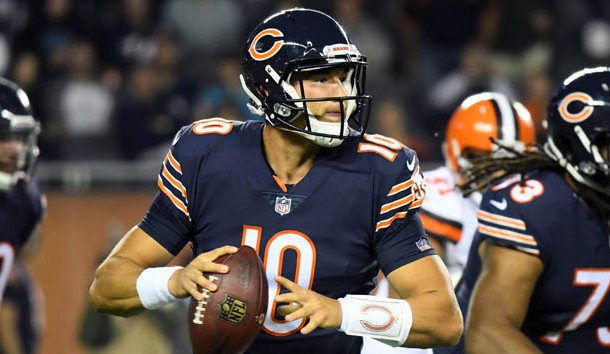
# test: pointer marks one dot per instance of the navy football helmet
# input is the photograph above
(578, 125)
(17, 126)
(296, 41)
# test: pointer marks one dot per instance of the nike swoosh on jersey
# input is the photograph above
(411, 165)
(502, 204)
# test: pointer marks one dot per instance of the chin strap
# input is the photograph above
(325, 128)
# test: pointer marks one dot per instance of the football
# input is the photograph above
(228, 320)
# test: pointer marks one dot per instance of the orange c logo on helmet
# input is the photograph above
(579, 116)
(277, 45)
(391, 319)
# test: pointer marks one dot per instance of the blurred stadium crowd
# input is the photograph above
(114, 79)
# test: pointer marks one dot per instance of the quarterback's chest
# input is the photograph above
(317, 233)
(322, 215)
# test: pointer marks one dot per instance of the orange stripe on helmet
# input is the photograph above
(259, 56)
(172, 161)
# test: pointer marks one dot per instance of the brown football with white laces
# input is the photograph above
(228, 320)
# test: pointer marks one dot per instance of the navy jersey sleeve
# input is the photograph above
(399, 234)
(30, 209)
(168, 219)
(510, 214)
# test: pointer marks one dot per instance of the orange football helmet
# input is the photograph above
(483, 116)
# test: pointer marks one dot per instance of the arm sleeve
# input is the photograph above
(399, 235)
(405, 245)
(168, 219)
(506, 227)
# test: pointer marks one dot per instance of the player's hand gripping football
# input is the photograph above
(185, 282)
(322, 311)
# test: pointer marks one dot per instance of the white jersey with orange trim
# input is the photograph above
(354, 213)
(449, 217)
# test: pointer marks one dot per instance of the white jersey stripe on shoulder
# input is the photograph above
(406, 201)
(386, 153)
(173, 181)
(175, 200)
(501, 220)
(400, 187)
(396, 204)
(508, 235)
(172, 161)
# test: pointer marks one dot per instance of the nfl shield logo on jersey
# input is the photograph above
(282, 205)
(423, 244)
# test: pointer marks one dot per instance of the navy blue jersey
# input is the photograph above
(21, 208)
(569, 311)
(355, 211)
(22, 293)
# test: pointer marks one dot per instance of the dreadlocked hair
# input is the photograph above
(505, 161)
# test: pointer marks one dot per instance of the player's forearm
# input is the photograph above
(497, 338)
(437, 320)
(114, 288)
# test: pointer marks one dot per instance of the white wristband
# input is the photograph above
(384, 319)
(152, 287)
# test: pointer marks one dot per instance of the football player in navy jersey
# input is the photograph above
(325, 205)
(448, 217)
(22, 207)
(538, 274)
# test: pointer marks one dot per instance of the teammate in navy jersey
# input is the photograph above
(448, 217)
(21, 209)
(538, 274)
(325, 205)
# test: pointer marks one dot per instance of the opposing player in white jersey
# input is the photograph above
(448, 217)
